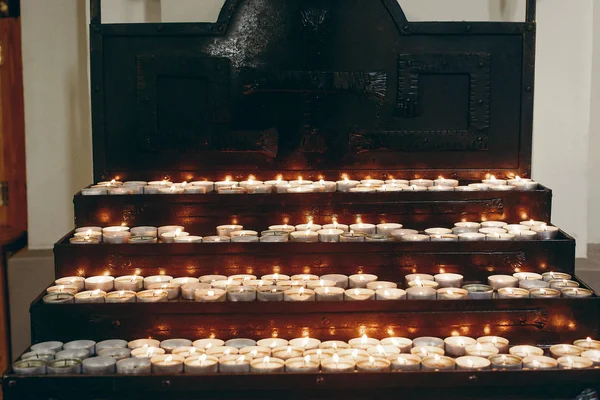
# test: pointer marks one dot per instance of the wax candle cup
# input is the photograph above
(587, 344)
(437, 363)
(505, 362)
(539, 362)
(472, 363)
(363, 342)
(200, 365)
(390, 294)
(152, 296)
(562, 350)
(526, 351)
(338, 364)
(406, 362)
(456, 345)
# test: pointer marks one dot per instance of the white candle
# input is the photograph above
(373, 365)
(545, 232)
(550, 276)
(588, 344)
(305, 277)
(573, 362)
(329, 235)
(224, 284)
(512, 293)
(129, 282)
(437, 363)
(187, 239)
(368, 229)
(99, 366)
(201, 365)
(147, 352)
(376, 285)
(141, 343)
(72, 289)
(299, 294)
(213, 295)
(121, 296)
(267, 365)
(472, 363)
(421, 293)
(237, 364)
(208, 343)
(226, 230)
(390, 294)
(169, 237)
(353, 354)
(526, 351)
(329, 294)
(502, 281)
(188, 351)
(481, 350)
(419, 283)
(359, 294)
(346, 184)
(539, 362)
(167, 364)
(338, 364)
(90, 296)
(421, 182)
(471, 237)
(406, 362)
(306, 236)
(452, 294)
(104, 283)
(340, 280)
(455, 345)
(593, 355)
(270, 293)
(363, 342)
(302, 365)
(353, 237)
(335, 225)
(386, 229)
(241, 293)
(152, 296)
(321, 283)
(448, 280)
(287, 352)
(171, 289)
(361, 280)
(544, 293)
(562, 350)
(502, 344)
(220, 351)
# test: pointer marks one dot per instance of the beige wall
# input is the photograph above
(57, 103)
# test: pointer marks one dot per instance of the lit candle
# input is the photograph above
(551, 276)
(90, 296)
(418, 283)
(376, 285)
(363, 342)
(103, 282)
(361, 280)
(539, 362)
(319, 283)
(346, 184)
(472, 363)
(208, 343)
(329, 235)
(438, 363)
(587, 344)
(562, 350)
(167, 364)
(299, 294)
(448, 280)
(329, 294)
(373, 365)
(360, 227)
(270, 293)
(143, 343)
(241, 293)
(545, 232)
(287, 352)
(481, 350)
(220, 351)
(151, 280)
(421, 293)
(359, 294)
(452, 294)
(386, 229)
(172, 290)
(512, 293)
(213, 295)
(302, 365)
(502, 281)
(226, 230)
(574, 362)
(208, 186)
(152, 296)
(505, 362)
(544, 293)
(147, 352)
(169, 237)
(593, 355)
(455, 345)
(502, 344)
(421, 182)
(441, 181)
(129, 282)
(493, 181)
(338, 364)
(523, 351)
(235, 364)
(353, 237)
(62, 289)
(406, 362)
(201, 365)
(121, 296)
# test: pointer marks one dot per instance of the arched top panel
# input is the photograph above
(317, 87)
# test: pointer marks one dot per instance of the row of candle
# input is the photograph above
(312, 233)
(308, 287)
(276, 355)
(300, 185)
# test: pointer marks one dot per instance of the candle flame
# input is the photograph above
(228, 178)
(355, 353)
(536, 364)
(289, 350)
(479, 347)
(168, 359)
(380, 349)
(386, 293)
(494, 340)
(327, 292)
(279, 178)
(504, 359)
(240, 359)
(588, 340)
(305, 341)
(364, 339)
(211, 294)
(372, 360)
(424, 352)
(300, 179)
(96, 292)
(251, 178)
(356, 292)
(336, 358)
(306, 359)
(470, 363)
(301, 291)
(436, 357)
(177, 232)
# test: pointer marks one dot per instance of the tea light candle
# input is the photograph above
(171, 289)
(129, 282)
(89, 234)
(382, 351)
(419, 283)
(361, 280)
(373, 365)
(551, 276)
(452, 294)
(363, 342)
(445, 182)
(79, 354)
(213, 295)
(502, 281)
(305, 236)
(270, 293)
(438, 231)
(76, 281)
(122, 296)
(529, 285)
(471, 237)
(512, 293)
(90, 296)
(170, 345)
(152, 296)
(329, 293)
(228, 182)
(337, 364)
(422, 277)
(208, 343)
(353, 237)
(329, 235)
(201, 365)
(421, 182)
(224, 284)
(421, 293)
(587, 344)
(150, 280)
(539, 362)
(99, 366)
(134, 366)
(291, 284)
(299, 294)
(29, 367)
(524, 235)
(340, 280)
(545, 232)
(117, 354)
(426, 351)
(593, 355)
(406, 362)
(506, 362)
(147, 352)
(187, 239)
(523, 351)
(444, 238)
(309, 227)
(398, 234)
(543, 293)
(481, 350)
(301, 365)
(235, 364)
(104, 283)
(321, 283)
(386, 229)
(368, 229)
(208, 186)
(346, 184)
(226, 230)
(448, 280)
(560, 284)
(488, 231)
(335, 225)
(359, 294)
(241, 293)
(94, 191)
(479, 291)
(216, 239)
(64, 367)
(244, 238)
(143, 343)
(62, 289)
(456, 345)
(58, 298)
(353, 354)
(220, 351)
(188, 351)
(111, 344)
(267, 365)
(574, 292)
(527, 276)
(562, 350)
(45, 355)
(149, 231)
(376, 285)
(116, 237)
(472, 363)
(571, 362)
(502, 344)
(478, 186)
(437, 363)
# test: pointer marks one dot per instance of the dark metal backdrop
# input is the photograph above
(311, 87)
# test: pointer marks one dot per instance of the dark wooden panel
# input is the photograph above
(453, 385)
(200, 214)
(277, 86)
(541, 321)
(390, 261)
